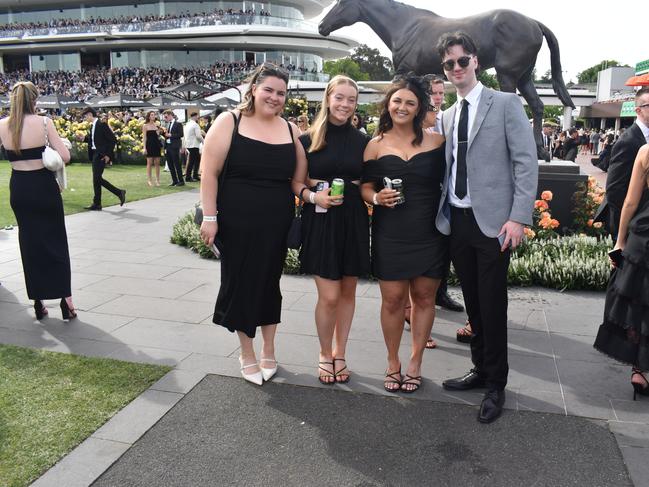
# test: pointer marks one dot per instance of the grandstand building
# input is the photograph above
(71, 35)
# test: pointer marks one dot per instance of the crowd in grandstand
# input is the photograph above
(136, 23)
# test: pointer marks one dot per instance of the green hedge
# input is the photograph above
(565, 263)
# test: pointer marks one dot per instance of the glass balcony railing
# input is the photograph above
(136, 25)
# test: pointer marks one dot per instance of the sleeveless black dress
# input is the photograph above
(256, 207)
(36, 201)
(337, 243)
(405, 241)
(153, 144)
(624, 335)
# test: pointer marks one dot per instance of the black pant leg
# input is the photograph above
(97, 171)
(173, 158)
(193, 157)
(443, 283)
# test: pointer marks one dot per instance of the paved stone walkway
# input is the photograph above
(143, 299)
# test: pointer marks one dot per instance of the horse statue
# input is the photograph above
(507, 41)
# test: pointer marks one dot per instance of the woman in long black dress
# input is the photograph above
(407, 249)
(256, 205)
(35, 199)
(335, 229)
(152, 147)
(624, 335)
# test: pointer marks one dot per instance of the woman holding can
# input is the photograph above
(335, 223)
(408, 252)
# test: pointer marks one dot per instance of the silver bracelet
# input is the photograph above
(312, 198)
(375, 199)
(209, 218)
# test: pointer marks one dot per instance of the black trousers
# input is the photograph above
(443, 283)
(173, 161)
(193, 160)
(482, 270)
(98, 181)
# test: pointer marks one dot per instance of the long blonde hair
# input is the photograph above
(266, 70)
(23, 102)
(318, 131)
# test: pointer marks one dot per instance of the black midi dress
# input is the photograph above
(405, 241)
(624, 334)
(256, 207)
(336, 243)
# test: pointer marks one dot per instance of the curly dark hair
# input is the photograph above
(421, 88)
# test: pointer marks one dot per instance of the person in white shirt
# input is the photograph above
(193, 139)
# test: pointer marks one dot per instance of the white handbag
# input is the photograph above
(53, 161)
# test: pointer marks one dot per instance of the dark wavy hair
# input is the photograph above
(421, 89)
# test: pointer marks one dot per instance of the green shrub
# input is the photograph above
(575, 262)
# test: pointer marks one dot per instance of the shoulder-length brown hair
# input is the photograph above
(23, 102)
(418, 86)
(266, 70)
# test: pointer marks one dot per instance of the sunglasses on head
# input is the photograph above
(463, 62)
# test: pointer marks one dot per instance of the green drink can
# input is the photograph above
(337, 187)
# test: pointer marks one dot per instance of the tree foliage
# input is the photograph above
(590, 75)
(371, 62)
(347, 67)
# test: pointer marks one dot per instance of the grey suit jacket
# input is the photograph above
(502, 164)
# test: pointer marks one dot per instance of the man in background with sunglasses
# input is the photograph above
(623, 154)
(487, 199)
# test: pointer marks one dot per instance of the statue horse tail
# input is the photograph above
(557, 78)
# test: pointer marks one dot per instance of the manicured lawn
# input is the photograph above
(50, 402)
(79, 192)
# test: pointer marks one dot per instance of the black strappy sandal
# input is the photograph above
(341, 371)
(328, 375)
(391, 379)
(410, 380)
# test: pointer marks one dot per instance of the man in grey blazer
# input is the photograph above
(487, 199)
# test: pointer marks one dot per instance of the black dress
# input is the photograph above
(624, 335)
(405, 241)
(256, 207)
(153, 144)
(36, 201)
(337, 243)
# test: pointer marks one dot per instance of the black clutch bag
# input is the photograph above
(294, 237)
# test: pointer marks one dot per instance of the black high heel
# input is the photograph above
(66, 312)
(639, 389)
(39, 309)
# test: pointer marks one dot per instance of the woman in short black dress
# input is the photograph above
(152, 146)
(335, 229)
(624, 335)
(35, 199)
(256, 205)
(407, 249)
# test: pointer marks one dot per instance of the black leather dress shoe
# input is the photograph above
(122, 197)
(173, 184)
(189, 180)
(492, 406)
(181, 183)
(471, 380)
(447, 302)
(92, 208)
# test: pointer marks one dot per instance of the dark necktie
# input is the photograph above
(462, 141)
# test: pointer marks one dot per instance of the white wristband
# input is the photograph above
(209, 218)
(375, 199)
(312, 198)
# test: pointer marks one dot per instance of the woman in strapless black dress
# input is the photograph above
(335, 242)
(152, 147)
(408, 252)
(624, 335)
(257, 152)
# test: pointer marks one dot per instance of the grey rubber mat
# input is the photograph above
(226, 432)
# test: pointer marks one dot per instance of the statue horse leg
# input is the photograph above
(527, 89)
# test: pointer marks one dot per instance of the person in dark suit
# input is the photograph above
(623, 154)
(101, 151)
(487, 199)
(571, 146)
(173, 143)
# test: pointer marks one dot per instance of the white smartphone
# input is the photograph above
(321, 186)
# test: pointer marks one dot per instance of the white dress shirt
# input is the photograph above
(193, 136)
(92, 134)
(473, 97)
(644, 128)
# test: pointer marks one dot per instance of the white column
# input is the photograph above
(602, 123)
(567, 118)
(618, 121)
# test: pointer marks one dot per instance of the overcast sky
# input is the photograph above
(588, 32)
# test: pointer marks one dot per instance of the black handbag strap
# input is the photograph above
(227, 158)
